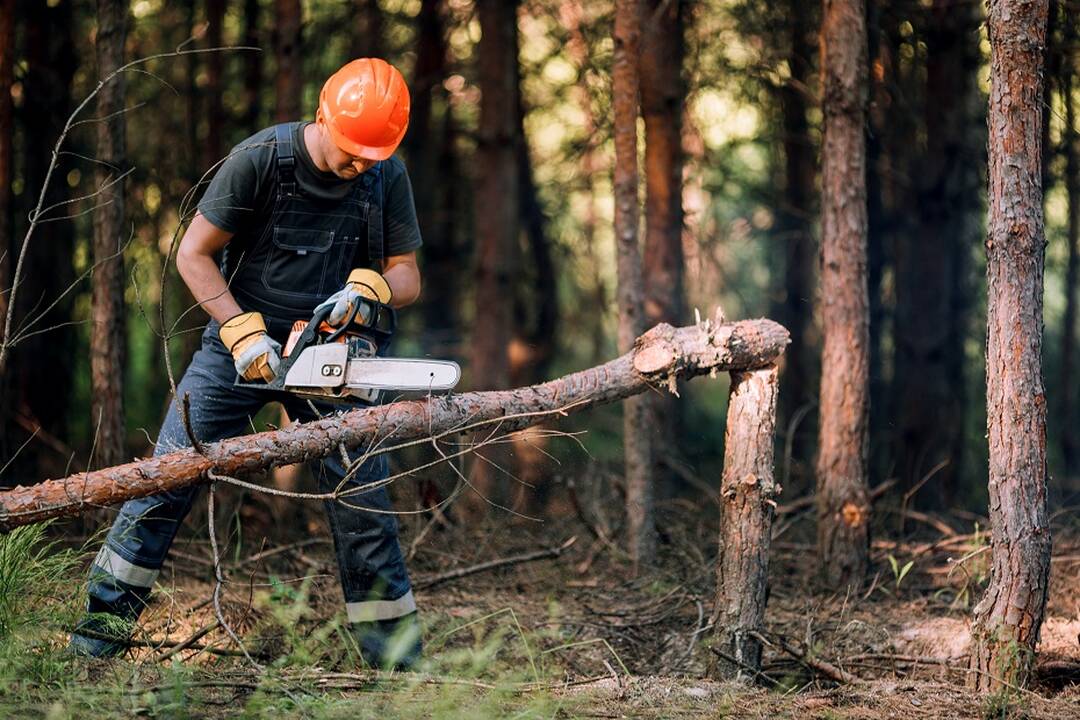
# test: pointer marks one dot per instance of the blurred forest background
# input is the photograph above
(731, 108)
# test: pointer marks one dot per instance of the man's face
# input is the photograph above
(342, 164)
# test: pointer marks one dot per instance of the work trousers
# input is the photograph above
(373, 575)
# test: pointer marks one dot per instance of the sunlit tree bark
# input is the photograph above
(637, 422)
(842, 495)
(663, 94)
(1008, 617)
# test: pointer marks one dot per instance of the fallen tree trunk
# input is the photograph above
(658, 356)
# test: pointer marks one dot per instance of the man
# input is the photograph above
(293, 218)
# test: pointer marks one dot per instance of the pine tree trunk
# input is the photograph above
(842, 494)
(45, 360)
(662, 98)
(253, 68)
(497, 215)
(429, 145)
(288, 51)
(367, 38)
(637, 418)
(1007, 619)
(796, 228)
(213, 150)
(932, 265)
(7, 226)
(748, 493)
(108, 346)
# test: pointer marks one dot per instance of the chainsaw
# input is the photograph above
(336, 364)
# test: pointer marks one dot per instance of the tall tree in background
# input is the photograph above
(1007, 619)
(215, 63)
(663, 94)
(497, 213)
(45, 360)
(432, 171)
(367, 38)
(795, 221)
(288, 51)
(108, 341)
(7, 227)
(253, 69)
(842, 496)
(637, 442)
(1069, 68)
(932, 264)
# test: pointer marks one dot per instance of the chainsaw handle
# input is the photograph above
(381, 325)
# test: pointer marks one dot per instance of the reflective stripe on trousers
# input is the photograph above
(373, 575)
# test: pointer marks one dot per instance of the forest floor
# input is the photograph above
(568, 635)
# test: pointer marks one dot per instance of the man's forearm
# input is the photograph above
(404, 282)
(208, 286)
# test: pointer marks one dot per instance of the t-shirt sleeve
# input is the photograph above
(399, 213)
(231, 198)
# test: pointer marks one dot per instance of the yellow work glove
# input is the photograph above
(362, 283)
(256, 355)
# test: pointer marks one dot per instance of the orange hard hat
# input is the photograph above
(365, 106)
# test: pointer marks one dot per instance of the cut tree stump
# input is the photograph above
(658, 357)
(747, 494)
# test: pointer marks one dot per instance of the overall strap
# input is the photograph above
(286, 158)
(376, 245)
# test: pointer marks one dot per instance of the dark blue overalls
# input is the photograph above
(303, 255)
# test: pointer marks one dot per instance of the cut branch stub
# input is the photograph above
(745, 345)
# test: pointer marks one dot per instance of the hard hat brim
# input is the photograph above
(367, 152)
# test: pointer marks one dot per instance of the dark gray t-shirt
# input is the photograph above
(241, 195)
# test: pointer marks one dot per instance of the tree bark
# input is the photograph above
(497, 215)
(932, 264)
(658, 357)
(288, 51)
(662, 98)
(748, 494)
(637, 416)
(108, 339)
(842, 493)
(1007, 619)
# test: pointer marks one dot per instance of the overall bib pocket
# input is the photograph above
(298, 262)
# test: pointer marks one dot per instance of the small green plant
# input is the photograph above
(900, 571)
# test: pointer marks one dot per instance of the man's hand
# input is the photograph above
(257, 356)
(362, 283)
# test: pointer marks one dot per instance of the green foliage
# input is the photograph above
(899, 572)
